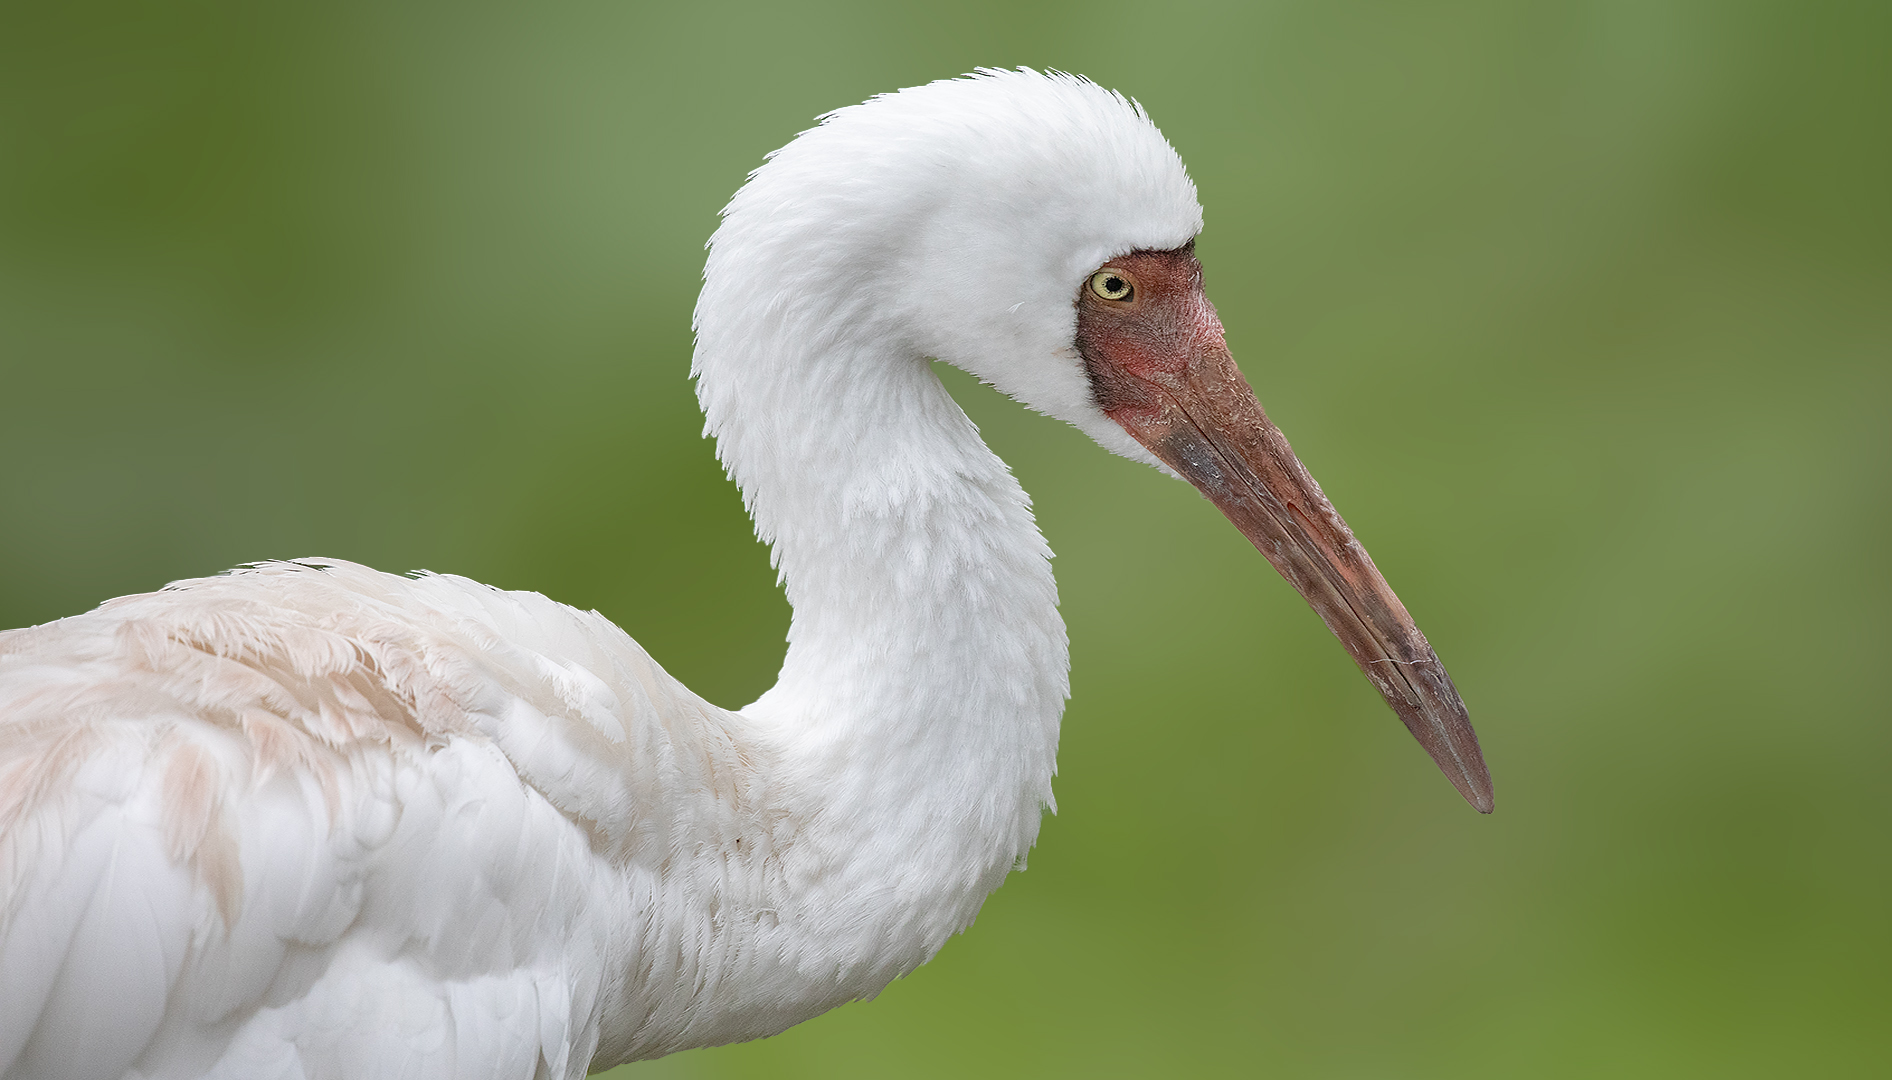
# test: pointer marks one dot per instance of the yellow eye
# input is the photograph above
(1111, 285)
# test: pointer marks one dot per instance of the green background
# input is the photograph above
(1581, 312)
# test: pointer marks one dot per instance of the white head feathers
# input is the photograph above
(954, 220)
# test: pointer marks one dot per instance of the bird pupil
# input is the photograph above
(1113, 284)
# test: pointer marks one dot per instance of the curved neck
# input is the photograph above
(916, 716)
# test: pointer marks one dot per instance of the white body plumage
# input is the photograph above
(319, 821)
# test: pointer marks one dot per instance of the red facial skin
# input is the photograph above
(1160, 368)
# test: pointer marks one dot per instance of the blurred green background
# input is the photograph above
(1581, 312)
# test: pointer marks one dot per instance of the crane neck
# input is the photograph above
(917, 709)
(921, 587)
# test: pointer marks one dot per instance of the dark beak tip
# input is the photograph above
(1481, 801)
(1474, 784)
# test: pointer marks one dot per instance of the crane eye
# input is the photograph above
(1111, 285)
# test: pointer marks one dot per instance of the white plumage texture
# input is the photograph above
(347, 820)
(312, 820)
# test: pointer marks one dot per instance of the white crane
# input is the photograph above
(312, 820)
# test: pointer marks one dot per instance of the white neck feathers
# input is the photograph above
(917, 710)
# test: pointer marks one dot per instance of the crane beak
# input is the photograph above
(1174, 387)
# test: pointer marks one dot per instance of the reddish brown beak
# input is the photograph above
(1161, 370)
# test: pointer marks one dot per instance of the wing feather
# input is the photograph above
(313, 820)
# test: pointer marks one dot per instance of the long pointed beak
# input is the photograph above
(1211, 429)
(1179, 393)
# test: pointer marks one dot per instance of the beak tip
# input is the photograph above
(1476, 787)
(1445, 732)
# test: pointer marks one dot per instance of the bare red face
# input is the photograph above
(1160, 368)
